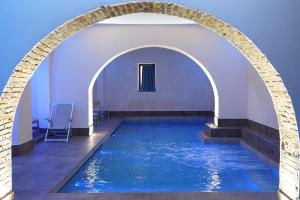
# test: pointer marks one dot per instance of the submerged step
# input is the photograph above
(218, 140)
(263, 143)
(266, 144)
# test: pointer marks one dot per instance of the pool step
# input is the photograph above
(219, 140)
(261, 141)
(220, 135)
(213, 131)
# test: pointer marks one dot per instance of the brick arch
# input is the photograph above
(289, 140)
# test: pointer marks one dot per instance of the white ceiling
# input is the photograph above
(146, 18)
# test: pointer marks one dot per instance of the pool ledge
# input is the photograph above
(168, 196)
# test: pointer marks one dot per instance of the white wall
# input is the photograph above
(34, 104)
(98, 90)
(181, 85)
(260, 106)
(22, 129)
(41, 94)
(92, 48)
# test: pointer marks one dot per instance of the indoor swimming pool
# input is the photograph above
(166, 155)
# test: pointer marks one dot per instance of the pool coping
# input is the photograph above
(165, 195)
(70, 174)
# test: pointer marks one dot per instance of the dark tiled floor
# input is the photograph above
(38, 135)
(39, 171)
(36, 173)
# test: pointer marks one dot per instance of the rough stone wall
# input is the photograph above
(289, 152)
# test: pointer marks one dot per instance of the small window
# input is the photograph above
(146, 77)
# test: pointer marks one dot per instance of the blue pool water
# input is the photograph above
(168, 156)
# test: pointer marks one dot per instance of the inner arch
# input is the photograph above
(210, 78)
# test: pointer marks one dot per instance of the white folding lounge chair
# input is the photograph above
(59, 124)
(99, 113)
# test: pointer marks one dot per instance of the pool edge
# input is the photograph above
(71, 173)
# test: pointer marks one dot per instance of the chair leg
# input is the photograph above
(68, 133)
(46, 136)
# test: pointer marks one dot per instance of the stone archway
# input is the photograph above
(289, 140)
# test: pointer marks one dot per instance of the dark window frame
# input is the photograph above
(140, 65)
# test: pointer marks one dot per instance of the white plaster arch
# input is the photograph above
(210, 78)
